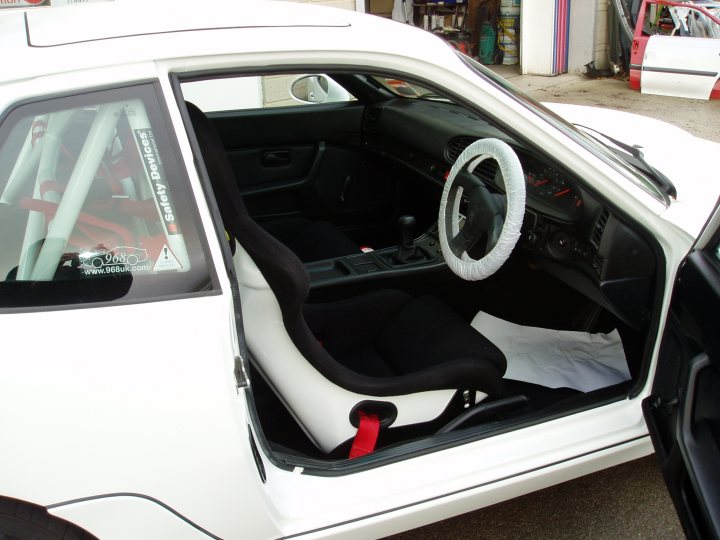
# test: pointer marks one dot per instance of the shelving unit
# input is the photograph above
(430, 15)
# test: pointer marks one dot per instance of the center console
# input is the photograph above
(410, 256)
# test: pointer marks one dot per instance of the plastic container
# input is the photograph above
(509, 31)
(488, 40)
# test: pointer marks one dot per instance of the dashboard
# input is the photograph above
(568, 230)
(549, 191)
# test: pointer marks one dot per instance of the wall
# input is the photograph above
(587, 37)
(601, 44)
(583, 34)
(536, 37)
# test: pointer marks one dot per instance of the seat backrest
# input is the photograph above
(282, 269)
(217, 164)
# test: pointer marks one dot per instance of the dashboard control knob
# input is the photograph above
(560, 245)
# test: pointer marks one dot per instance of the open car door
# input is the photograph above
(686, 67)
(683, 411)
(683, 62)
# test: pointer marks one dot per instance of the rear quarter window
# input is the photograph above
(94, 204)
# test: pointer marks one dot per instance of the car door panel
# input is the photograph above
(683, 412)
(268, 167)
(306, 161)
(680, 66)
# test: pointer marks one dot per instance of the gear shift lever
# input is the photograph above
(407, 251)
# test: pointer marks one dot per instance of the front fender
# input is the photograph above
(129, 515)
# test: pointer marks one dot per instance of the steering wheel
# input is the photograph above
(486, 214)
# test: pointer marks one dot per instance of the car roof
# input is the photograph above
(112, 20)
(50, 40)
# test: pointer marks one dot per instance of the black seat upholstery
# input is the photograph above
(412, 343)
(384, 345)
(309, 240)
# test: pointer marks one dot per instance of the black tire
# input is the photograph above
(23, 521)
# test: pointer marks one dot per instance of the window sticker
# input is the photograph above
(154, 170)
(101, 260)
(166, 260)
(155, 174)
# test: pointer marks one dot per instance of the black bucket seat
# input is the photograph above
(405, 359)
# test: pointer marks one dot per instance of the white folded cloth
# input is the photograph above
(556, 358)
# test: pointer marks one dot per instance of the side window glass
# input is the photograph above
(264, 92)
(93, 203)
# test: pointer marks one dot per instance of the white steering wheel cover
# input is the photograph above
(467, 268)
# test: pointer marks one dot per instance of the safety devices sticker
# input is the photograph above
(166, 260)
(156, 173)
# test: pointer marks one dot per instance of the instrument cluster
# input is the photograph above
(551, 193)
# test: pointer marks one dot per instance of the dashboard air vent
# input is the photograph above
(599, 229)
(486, 170)
(372, 116)
(455, 147)
(597, 264)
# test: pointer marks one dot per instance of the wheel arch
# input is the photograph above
(31, 520)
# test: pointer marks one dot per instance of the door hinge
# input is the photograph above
(241, 376)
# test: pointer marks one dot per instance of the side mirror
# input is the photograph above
(317, 89)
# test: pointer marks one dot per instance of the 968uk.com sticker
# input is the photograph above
(101, 260)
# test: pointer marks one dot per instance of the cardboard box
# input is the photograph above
(381, 7)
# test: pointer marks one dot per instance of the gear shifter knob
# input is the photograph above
(407, 251)
(406, 225)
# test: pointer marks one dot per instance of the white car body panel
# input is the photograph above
(170, 424)
(453, 504)
(471, 472)
(101, 21)
(674, 151)
(154, 405)
(678, 66)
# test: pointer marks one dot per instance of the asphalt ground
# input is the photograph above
(630, 500)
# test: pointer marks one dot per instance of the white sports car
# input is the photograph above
(366, 285)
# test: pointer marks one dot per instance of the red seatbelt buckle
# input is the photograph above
(366, 436)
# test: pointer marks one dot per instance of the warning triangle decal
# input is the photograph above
(166, 260)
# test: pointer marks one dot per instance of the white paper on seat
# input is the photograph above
(556, 358)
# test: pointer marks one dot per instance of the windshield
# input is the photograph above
(586, 140)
